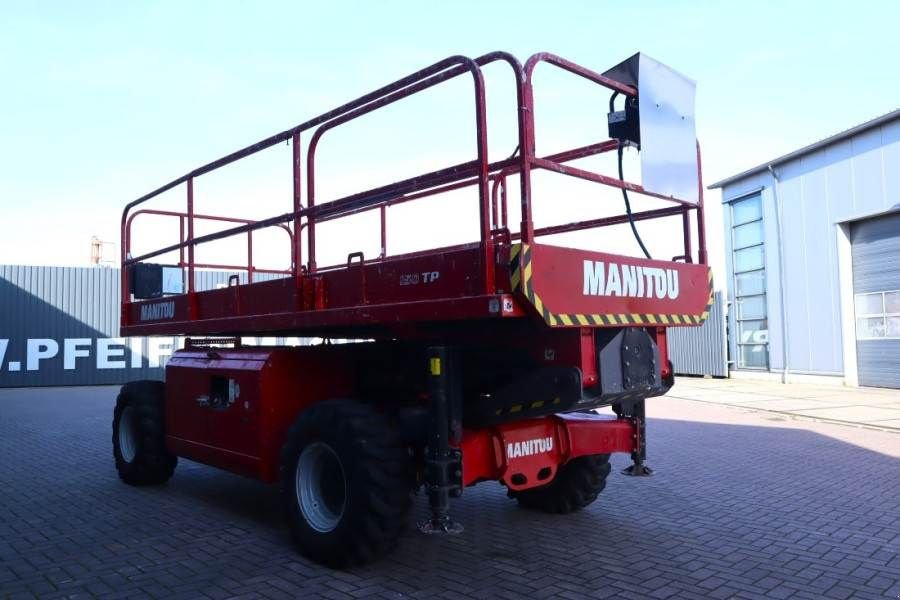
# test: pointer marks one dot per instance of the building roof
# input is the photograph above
(877, 121)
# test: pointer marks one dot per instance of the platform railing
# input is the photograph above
(436, 73)
(182, 219)
(489, 178)
(554, 163)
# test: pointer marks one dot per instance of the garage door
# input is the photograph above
(876, 288)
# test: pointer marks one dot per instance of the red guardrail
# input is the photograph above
(477, 172)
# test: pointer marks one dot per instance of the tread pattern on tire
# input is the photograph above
(376, 463)
(152, 464)
(576, 485)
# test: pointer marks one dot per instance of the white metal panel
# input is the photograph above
(751, 184)
(867, 173)
(823, 308)
(668, 131)
(890, 154)
(839, 171)
(773, 277)
(796, 294)
(845, 289)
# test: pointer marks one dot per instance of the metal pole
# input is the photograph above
(701, 220)
(190, 224)
(639, 451)
(249, 257)
(383, 231)
(439, 459)
(297, 248)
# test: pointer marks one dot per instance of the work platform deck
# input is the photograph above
(505, 274)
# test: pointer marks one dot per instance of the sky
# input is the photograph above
(105, 101)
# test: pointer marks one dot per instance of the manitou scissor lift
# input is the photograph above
(476, 362)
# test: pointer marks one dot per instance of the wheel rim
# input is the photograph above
(127, 446)
(321, 487)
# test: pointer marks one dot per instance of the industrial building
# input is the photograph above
(813, 260)
(60, 326)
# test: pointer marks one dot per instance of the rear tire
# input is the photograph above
(139, 444)
(345, 483)
(576, 485)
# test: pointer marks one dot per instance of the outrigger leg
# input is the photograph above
(635, 412)
(443, 464)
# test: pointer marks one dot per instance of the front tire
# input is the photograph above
(576, 485)
(344, 478)
(138, 436)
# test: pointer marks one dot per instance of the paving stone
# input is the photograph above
(739, 507)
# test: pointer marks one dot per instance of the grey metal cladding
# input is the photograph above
(77, 310)
(58, 303)
(876, 268)
(701, 350)
(876, 254)
(878, 363)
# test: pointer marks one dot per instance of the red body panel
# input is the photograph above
(440, 286)
(577, 288)
(526, 454)
(559, 277)
(275, 385)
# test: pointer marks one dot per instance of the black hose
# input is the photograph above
(637, 236)
(634, 230)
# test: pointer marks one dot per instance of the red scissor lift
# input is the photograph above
(480, 361)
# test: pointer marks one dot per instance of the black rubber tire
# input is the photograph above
(375, 466)
(577, 484)
(152, 464)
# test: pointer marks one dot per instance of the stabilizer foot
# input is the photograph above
(638, 470)
(447, 526)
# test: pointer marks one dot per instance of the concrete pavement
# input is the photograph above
(868, 407)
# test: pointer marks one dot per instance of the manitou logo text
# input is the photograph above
(160, 310)
(529, 447)
(611, 279)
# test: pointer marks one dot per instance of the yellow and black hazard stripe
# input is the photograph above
(525, 409)
(520, 277)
